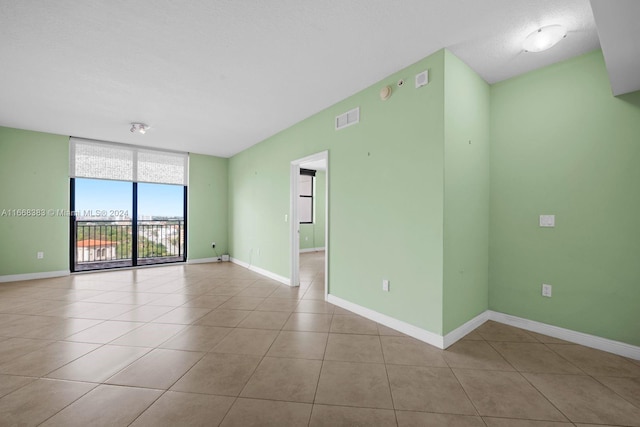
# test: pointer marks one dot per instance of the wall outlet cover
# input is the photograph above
(547, 220)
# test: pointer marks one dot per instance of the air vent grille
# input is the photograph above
(349, 118)
(422, 78)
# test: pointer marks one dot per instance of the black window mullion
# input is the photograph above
(134, 226)
(73, 232)
(183, 232)
(311, 173)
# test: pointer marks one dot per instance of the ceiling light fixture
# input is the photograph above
(544, 38)
(139, 127)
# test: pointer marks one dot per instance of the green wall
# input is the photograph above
(562, 144)
(466, 194)
(452, 225)
(312, 235)
(258, 203)
(385, 202)
(207, 207)
(34, 174)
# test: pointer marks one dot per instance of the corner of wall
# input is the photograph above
(466, 194)
(207, 209)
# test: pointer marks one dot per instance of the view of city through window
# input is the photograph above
(104, 229)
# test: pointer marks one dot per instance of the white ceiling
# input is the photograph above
(216, 77)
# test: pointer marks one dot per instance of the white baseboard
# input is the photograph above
(604, 344)
(302, 251)
(33, 276)
(462, 330)
(262, 271)
(428, 337)
(406, 328)
(202, 260)
(587, 340)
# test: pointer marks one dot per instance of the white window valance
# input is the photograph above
(121, 162)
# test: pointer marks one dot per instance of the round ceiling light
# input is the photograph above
(544, 38)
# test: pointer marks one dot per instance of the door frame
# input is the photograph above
(294, 230)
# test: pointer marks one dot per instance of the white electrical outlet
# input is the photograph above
(546, 290)
(213, 245)
(547, 220)
(40, 255)
(385, 285)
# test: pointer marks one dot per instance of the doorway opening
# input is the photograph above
(309, 215)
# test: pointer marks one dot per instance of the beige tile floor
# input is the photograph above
(216, 344)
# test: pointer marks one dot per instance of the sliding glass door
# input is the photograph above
(161, 223)
(128, 206)
(125, 224)
(101, 225)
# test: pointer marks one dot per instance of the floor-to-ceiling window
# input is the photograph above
(161, 226)
(128, 206)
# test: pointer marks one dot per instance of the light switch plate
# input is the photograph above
(547, 220)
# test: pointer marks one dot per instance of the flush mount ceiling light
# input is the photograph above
(139, 127)
(544, 38)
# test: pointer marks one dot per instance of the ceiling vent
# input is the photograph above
(349, 118)
(422, 78)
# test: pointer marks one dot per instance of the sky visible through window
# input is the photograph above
(159, 200)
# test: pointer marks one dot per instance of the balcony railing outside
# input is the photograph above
(160, 238)
(105, 241)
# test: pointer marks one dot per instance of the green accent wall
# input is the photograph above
(385, 202)
(34, 174)
(258, 203)
(466, 194)
(312, 235)
(562, 144)
(408, 202)
(207, 206)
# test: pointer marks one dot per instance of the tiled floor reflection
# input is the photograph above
(216, 344)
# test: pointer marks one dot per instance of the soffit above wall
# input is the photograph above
(619, 30)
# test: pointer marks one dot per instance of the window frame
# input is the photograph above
(312, 174)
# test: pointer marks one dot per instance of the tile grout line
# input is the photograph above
(465, 392)
(70, 403)
(386, 371)
(252, 373)
(546, 398)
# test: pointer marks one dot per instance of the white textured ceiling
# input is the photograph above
(216, 77)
